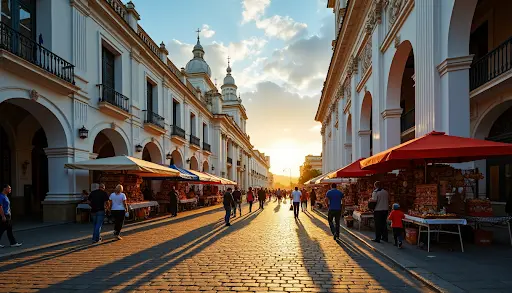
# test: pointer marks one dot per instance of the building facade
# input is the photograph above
(314, 161)
(91, 83)
(403, 68)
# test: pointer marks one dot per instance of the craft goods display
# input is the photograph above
(131, 185)
(479, 208)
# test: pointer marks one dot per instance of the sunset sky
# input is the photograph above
(280, 51)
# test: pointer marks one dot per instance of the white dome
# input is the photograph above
(229, 80)
(198, 65)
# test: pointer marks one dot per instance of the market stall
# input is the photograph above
(435, 195)
(127, 171)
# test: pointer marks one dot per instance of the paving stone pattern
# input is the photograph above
(263, 251)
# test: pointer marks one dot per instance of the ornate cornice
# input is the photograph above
(364, 132)
(392, 113)
(455, 64)
(82, 6)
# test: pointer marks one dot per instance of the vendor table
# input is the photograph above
(83, 206)
(140, 205)
(478, 221)
(437, 223)
(188, 202)
(359, 217)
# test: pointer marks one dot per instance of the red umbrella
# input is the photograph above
(435, 147)
(352, 170)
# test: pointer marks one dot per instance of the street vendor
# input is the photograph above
(380, 197)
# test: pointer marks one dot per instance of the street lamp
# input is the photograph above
(289, 169)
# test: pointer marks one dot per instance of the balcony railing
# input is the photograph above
(36, 54)
(109, 95)
(154, 118)
(492, 65)
(195, 140)
(407, 121)
(178, 131)
(207, 147)
(230, 161)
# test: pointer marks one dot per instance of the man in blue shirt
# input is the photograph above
(333, 199)
(5, 215)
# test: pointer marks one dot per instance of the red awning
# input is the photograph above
(352, 170)
(435, 147)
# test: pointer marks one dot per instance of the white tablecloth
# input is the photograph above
(83, 206)
(436, 221)
(144, 204)
(191, 200)
(357, 216)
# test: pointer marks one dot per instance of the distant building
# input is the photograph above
(314, 161)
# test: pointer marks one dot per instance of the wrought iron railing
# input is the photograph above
(407, 121)
(109, 95)
(36, 54)
(230, 161)
(195, 140)
(118, 7)
(154, 118)
(492, 65)
(178, 131)
(207, 147)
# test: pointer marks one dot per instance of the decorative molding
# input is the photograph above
(364, 79)
(59, 152)
(81, 5)
(397, 41)
(113, 125)
(346, 109)
(353, 65)
(397, 24)
(455, 64)
(34, 95)
(348, 145)
(394, 11)
(392, 113)
(364, 132)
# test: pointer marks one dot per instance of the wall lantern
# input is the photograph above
(213, 168)
(83, 133)
(188, 161)
(138, 148)
(168, 156)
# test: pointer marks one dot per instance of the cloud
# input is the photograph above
(207, 32)
(282, 27)
(253, 9)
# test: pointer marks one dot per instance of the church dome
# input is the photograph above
(198, 64)
(229, 80)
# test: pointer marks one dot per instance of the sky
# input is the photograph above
(280, 52)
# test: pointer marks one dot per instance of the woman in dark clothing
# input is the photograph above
(173, 201)
(312, 196)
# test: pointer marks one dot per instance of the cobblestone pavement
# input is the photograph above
(265, 251)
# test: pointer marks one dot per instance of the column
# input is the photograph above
(379, 85)
(348, 153)
(354, 110)
(233, 165)
(428, 99)
(364, 137)
(391, 127)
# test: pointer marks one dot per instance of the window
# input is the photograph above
(19, 14)
(192, 124)
(176, 113)
(108, 72)
(149, 96)
(6, 11)
(205, 132)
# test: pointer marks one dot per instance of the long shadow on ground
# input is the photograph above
(151, 262)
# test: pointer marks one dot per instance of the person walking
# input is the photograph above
(237, 197)
(278, 194)
(173, 202)
(296, 195)
(228, 203)
(98, 200)
(334, 200)
(396, 216)
(304, 200)
(380, 213)
(119, 209)
(5, 214)
(262, 197)
(313, 198)
(250, 198)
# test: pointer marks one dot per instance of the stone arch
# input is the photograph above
(206, 166)
(177, 158)
(486, 121)
(194, 165)
(460, 27)
(349, 129)
(116, 137)
(153, 150)
(50, 117)
(366, 112)
(396, 72)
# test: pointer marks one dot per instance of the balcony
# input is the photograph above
(230, 161)
(495, 65)
(113, 103)
(178, 135)
(154, 122)
(207, 148)
(195, 142)
(48, 66)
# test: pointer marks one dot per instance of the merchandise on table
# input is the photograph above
(479, 208)
(131, 185)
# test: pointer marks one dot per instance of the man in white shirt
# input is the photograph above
(296, 195)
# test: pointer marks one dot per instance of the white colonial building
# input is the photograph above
(403, 68)
(81, 79)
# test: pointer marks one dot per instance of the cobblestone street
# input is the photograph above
(262, 251)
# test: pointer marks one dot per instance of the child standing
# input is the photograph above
(396, 216)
